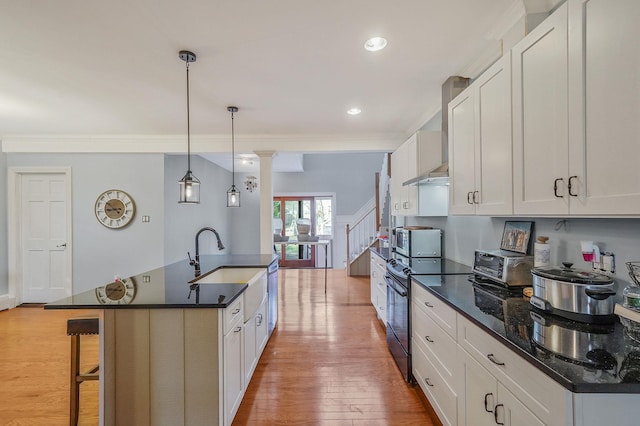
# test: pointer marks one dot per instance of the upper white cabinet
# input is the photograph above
(480, 144)
(540, 122)
(604, 107)
(576, 103)
(421, 153)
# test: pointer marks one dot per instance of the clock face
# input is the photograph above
(115, 208)
(119, 292)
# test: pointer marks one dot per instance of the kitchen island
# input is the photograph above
(176, 348)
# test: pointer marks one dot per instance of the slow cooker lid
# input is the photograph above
(566, 273)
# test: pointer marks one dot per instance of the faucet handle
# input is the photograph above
(192, 262)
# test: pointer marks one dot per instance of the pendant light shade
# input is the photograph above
(189, 184)
(233, 195)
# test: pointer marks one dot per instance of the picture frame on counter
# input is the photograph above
(516, 236)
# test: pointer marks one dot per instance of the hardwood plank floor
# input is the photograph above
(326, 363)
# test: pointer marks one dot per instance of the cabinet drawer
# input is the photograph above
(441, 313)
(232, 314)
(377, 260)
(438, 345)
(539, 393)
(442, 397)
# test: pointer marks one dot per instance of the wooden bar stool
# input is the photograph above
(77, 327)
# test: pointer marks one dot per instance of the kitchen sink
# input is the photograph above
(229, 276)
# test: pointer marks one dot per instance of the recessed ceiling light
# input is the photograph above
(375, 43)
(354, 111)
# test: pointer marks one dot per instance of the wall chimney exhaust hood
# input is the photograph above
(451, 88)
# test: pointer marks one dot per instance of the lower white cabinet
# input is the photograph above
(379, 286)
(487, 402)
(256, 335)
(233, 372)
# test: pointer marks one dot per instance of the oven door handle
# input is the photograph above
(393, 286)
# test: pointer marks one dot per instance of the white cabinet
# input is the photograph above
(233, 373)
(604, 107)
(480, 144)
(540, 399)
(540, 122)
(433, 353)
(421, 153)
(379, 286)
(256, 335)
(488, 402)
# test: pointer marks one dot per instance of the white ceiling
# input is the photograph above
(293, 67)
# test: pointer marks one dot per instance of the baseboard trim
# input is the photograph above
(7, 302)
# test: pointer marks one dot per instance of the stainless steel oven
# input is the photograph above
(398, 302)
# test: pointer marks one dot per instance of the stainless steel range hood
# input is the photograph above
(450, 89)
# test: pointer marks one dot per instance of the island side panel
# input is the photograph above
(132, 398)
(202, 343)
(107, 368)
(166, 361)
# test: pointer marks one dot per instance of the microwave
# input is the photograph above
(419, 242)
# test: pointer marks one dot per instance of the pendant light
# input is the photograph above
(189, 184)
(233, 195)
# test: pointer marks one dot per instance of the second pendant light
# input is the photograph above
(233, 195)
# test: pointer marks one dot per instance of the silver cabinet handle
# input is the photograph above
(235, 311)
(259, 320)
(62, 245)
(428, 339)
(428, 305)
(237, 330)
(495, 414)
(493, 359)
(475, 200)
(428, 382)
(469, 198)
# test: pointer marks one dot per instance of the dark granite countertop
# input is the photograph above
(383, 252)
(170, 286)
(609, 361)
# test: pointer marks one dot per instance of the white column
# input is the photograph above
(266, 201)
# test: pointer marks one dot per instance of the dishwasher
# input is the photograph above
(272, 294)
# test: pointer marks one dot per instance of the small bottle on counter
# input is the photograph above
(542, 252)
(631, 297)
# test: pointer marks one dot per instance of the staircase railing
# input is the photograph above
(361, 235)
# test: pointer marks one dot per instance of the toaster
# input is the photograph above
(504, 267)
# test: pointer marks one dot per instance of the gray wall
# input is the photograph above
(100, 253)
(245, 221)
(4, 277)
(182, 221)
(621, 236)
(350, 175)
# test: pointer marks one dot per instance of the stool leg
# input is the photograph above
(74, 397)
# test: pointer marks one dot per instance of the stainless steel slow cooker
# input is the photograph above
(583, 296)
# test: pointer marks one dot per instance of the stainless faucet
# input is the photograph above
(196, 262)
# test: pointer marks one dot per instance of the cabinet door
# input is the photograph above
(604, 65)
(233, 372)
(410, 192)
(461, 154)
(262, 329)
(480, 394)
(540, 122)
(493, 159)
(373, 285)
(250, 348)
(398, 165)
(511, 412)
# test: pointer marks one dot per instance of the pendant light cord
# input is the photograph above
(233, 155)
(188, 125)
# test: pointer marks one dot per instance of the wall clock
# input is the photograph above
(115, 208)
(120, 292)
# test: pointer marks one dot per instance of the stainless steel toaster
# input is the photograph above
(504, 267)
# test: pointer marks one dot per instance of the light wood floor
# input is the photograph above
(326, 363)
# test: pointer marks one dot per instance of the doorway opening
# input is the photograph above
(291, 211)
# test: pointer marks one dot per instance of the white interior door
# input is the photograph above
(45, 237)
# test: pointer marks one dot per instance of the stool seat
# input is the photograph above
(77, 327)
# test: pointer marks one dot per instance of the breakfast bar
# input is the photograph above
(178, 348)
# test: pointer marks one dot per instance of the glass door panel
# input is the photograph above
(288, 213)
